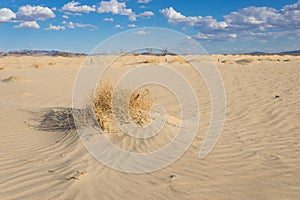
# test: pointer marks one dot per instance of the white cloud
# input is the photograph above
(218, 37)
(205, 24)
(264, 18)
(29, 25)
(80, 25)
(55, 28)
(144, 1)
(142, 32)
(115, 7)
(271, 35)
(131, 25)
(34, 13)
(246, 23)
(68, 24)
(254, 18)
(295, 6)
(74, 6)
(65, 16)
(72, 14)
(118, 26)
(146, 14)
(6, 15)
(172, 15)
(292, 14)
(73, 25)
(108, 19)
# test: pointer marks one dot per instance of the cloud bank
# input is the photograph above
(247, 23)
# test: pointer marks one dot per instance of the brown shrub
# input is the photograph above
(139, 105)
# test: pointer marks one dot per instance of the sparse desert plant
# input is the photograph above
(244, 61)
(36, 66)
(164, 51)
(1, 68)
(64, 54)
(139, 105)
(149, 51)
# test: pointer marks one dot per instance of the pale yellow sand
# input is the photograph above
(256, 157)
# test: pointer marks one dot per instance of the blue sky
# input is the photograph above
(230, 26)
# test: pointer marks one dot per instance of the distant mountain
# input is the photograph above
(291, 52)
(68, 54)
(264, 53)
(257, 53)
(42, 53)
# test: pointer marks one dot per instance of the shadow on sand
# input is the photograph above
(62, 119)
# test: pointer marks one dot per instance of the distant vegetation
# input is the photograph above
(147, 51)
(41, 53)
(295, 52)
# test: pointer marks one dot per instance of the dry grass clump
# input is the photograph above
(137, 110)
(36, 66)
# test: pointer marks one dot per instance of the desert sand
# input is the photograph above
(256, 157)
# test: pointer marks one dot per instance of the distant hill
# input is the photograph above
(42, 53)
(257, 53)
(264, 53)
(69, 54)
(291, 52)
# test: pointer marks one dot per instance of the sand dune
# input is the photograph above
(256, 157)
